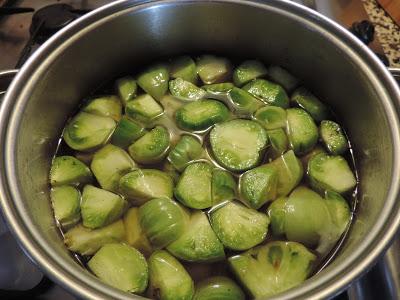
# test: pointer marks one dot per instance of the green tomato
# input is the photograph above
(142, 185)
(198, 243)
(258, 186)
(218, 288)
(273, 268)
(238, 144)
(121, 266)
(168, 278)
(239, 227)
(163, 221)
(194, 186)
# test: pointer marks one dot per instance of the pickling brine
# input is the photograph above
(199, 179)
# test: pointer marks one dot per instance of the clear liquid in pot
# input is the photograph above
(200, 271)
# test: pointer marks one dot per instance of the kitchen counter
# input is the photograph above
(386, 31)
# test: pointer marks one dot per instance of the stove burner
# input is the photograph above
(44, 285)
(49, 19)
(45, 22)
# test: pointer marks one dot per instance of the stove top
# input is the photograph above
(24, 26)
(22, 33)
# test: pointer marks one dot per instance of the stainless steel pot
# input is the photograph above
(125, 35)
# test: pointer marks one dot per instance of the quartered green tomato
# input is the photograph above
(168, 278)
(163, 221)
(239, 227)
(218, 288)
(273, 268)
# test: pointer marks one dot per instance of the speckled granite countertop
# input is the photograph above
(386, 30)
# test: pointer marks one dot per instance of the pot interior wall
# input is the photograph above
(125, 42)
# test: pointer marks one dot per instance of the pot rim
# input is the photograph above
(86, 285)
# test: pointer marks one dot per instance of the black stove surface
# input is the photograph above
(24, 26)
